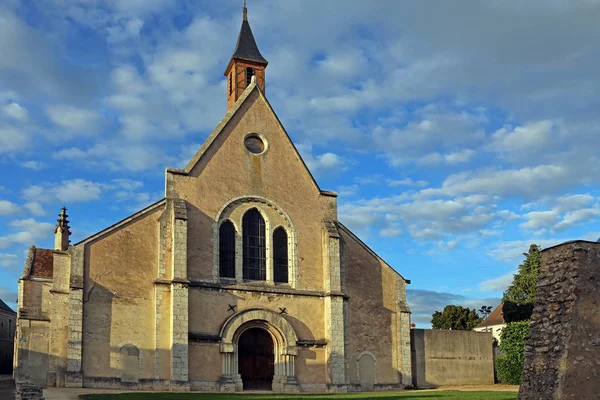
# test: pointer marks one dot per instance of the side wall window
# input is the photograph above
(254, 246)
(227, 250)
(280, 255)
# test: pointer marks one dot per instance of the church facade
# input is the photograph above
(241, 278)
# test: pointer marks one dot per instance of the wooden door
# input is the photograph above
(256, 359)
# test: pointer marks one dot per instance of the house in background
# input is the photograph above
(493, 323)
(8, 320)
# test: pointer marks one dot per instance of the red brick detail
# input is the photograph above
(236, 71)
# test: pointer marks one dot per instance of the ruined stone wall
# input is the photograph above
(562, 354)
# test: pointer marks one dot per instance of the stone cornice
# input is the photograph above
(262, 288)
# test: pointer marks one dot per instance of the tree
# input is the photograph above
(456, 318)
(522, 290)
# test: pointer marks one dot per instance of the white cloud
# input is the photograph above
(8, 260)
(390, 232)
(512, 251)
(576, 217)
(540, 219)
(117, 156)
(15, 111)
(406, 182)
(321, 162)
(35, 208)
(9, 208)
(66, 192)
(498, 284)
(457, 157)
(567, 211)
(73, 119)
(530, 138)
(12, 139)
(28, 232)
(34, 165)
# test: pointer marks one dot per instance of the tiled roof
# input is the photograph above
(43, 263)
(495, 318)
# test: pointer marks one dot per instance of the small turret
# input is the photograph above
(61, 231)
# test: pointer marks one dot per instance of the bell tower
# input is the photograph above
(245, 63)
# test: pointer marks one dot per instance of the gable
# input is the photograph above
(251, 114)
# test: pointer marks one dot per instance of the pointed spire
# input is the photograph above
(62, 231)
(246, 48)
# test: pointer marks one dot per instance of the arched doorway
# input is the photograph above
(256, 359)
(256, 336)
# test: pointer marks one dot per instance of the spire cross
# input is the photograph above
(245, 11)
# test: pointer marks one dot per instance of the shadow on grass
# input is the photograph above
(407, 395)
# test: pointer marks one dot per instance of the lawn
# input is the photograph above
(411, 394)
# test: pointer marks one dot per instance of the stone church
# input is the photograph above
(241, 278)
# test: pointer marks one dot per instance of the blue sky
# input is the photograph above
(456, 133)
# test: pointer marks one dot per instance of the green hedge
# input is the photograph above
(509, 366)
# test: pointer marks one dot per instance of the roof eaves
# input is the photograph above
(366, 247)
(122, 222)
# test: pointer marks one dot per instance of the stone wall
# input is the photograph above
(563, 350)
(451, 358)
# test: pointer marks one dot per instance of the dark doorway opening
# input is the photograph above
(256, 359)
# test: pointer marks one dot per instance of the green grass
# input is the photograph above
(411, 394)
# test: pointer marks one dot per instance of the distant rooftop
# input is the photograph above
(4, 307)
(495, 318)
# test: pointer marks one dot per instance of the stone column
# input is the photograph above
(403, 340)
(179, 299)
(74, 378)
(231, 380)
(334, 309)
(285, 380)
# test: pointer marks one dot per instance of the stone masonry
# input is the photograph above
(562, 354)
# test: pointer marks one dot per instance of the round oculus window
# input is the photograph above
(254, 144)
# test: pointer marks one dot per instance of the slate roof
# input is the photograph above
(246, 48)
(495, 318)
(4, 307)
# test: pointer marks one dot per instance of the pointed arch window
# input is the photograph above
(254, 246)
(280, 255)
(249, 75)
(231, 83)
(227, 250)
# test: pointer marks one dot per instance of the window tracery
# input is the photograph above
(264, 243)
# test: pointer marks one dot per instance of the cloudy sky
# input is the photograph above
(456, 133)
